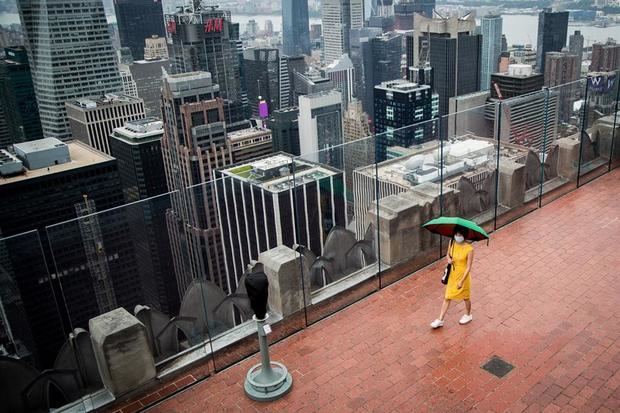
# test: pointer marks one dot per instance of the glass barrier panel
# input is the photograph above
(597, 125)
(562, 144)
(523, 127)
(332, 192)
(251, 233)
(408, 180)
(470, 160)
(37, 350)
(130, 257)
(615, 132)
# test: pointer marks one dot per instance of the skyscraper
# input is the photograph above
(561, 71)
(193, 146)
(342, 75)
(137, 147)
(405, 10)
(575, 44)
(138, 20)
(552, 32)
(70, 54)
(605, 57)
(249, 143)
(262, 77)
(454, 53)
(155, 48)
(18, 99)
(284, 128)
(93, 120)
(295, 27)
(339, 17)
(147, 75)
(207, 40)
(491, 48)
(399, 104)
(320, 127)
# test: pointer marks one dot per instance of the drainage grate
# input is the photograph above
(497, 367)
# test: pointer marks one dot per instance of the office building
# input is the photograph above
(385, 23)
(562, 70)
(284, 127)
(257, 212)
(381, 61)
(320, 128)
(605, 57)
(194, 145)
(92, 259)
(17, 99)
(452, 49)
(155, 48)
(130, 88)
(148, 75)
(207, 40)
(125, 57)
(338, 18)
(295, 28)
(92, 120)
(405, 10)
(399, 106)
(342, 75)
(288, 65)
(575, 44)
(249, 143)
(491, 48)
(359, 147)
(138, 20)
(523, 54)
(315, 32)
(309, 83)
(357, 38)
(137, 148)
(262, 78)
(518, 80)
(552, 32)
(421, 75)
(72, 43)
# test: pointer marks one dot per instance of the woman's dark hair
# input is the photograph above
(461, 230)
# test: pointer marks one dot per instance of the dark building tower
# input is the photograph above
(51, 191)
(18, 99)
(552, 32)
(70, 54)
(138, 20)
(207, 40)
(399, 104)
(137, 147)
(519, 80)
(262, 77)
(404, 11)
(284, 128)
(295, 27)
(381, 57)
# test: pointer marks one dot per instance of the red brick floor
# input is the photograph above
(546, 298)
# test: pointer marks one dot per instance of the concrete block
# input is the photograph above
(568, 157)
(121, 348)
(511, 183)
(283, 270)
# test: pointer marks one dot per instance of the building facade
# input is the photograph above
(342, 75)
(71, 56)
(207, 40)
(92, 121)
(552, 32)
(18, 99)
(518, 80)
(148, 78)
(338, 18)
(295, 28)
(137, 148)
(605, 57)
(399, 107)
(250, 143)
(262, 77)
(138, 20)
(491, 48)
(575, 44)
(320, 128)
(562, 70)
(155, 48)
(194, 145)
(284, 127)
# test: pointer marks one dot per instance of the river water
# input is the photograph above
(519, 29)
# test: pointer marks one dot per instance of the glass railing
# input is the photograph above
(328, 228)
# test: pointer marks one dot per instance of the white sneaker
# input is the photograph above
(437, 323)
(466, 319)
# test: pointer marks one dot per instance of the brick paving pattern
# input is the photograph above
(546, 298)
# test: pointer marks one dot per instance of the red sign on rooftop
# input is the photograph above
(214, 25)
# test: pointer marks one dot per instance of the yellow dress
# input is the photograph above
(459, 262)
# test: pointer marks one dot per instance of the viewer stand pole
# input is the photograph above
(269, 380)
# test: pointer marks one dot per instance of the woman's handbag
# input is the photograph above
(446, 272)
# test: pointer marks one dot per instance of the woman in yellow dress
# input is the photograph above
(461, 256)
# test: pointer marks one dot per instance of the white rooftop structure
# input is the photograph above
(520, 70)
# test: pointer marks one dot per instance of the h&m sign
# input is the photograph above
(215, 25)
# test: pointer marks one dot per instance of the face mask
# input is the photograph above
(459, 238)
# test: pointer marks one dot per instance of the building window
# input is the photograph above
(389, 113)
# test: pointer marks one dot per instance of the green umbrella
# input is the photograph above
(445, 226)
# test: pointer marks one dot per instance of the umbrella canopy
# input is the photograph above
(445, 226)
